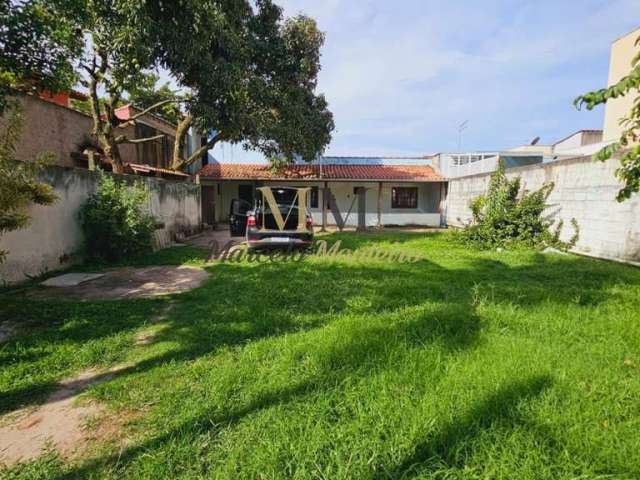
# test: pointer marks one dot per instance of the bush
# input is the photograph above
(116, 221)
(503, 218)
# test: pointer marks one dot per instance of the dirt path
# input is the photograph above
(58, 423)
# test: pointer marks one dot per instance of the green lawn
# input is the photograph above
(466, 364)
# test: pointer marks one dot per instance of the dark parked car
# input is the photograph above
(238, 217)
(260, 226)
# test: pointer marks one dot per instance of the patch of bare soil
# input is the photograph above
(59, 423)
(132, 283)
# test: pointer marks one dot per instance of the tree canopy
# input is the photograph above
(252, 77)
(627, 145)
(147, 93)
(244, 72)
(38, 48)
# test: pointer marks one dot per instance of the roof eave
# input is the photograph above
(324, 179)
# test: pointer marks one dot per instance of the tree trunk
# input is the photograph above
(184, 163)
(181, 132)
(116, 160)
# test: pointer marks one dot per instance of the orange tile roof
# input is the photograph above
(236, 171)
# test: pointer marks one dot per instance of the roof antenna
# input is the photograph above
(461, 128)
(535, 141)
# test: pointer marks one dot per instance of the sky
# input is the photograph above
(400, 76)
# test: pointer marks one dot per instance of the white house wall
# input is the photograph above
(427, 213)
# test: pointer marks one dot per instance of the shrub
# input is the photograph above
(505, 218)
(115, 220)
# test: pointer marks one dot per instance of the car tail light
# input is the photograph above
(251, 221)
(309, 221)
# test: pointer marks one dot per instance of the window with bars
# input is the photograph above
(404, 197)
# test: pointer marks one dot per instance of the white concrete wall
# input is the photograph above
(584, 190)
(577, 140)
(54, 238)
(426, 214)
(622, 52)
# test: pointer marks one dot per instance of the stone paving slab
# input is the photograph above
(131, 282)
(70, 279)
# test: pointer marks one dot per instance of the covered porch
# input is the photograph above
(415, 197)
(385, 203)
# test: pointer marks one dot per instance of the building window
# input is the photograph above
(313, 197)
(404, 197)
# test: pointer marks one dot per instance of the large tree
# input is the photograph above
(628, 145)
(256, 84)
(246, 74)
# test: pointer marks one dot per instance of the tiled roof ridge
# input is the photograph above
(312, 172)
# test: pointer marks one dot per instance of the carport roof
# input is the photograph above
(311, 172)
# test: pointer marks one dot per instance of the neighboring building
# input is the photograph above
(52, 124)
(576, 141)
(622, 52)
(395, 194)
(454, 165)
(157, 153)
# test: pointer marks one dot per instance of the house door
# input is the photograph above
(209, 205)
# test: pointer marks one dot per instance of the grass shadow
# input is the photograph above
(449, 446)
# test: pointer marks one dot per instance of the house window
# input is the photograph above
(404, 197)
(313, 197)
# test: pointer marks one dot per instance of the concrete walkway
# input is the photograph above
(221, 236)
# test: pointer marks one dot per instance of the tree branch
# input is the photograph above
(125, 139)
(198, 153)
(132, 120)
(94, 99)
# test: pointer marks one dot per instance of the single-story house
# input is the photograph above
(394, 194)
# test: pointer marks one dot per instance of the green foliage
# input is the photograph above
(263, 94)
(504, 218)
(38, 47)
(627, 145)
(18, 185)
(146, 93)
(245, 71)
(116, 221)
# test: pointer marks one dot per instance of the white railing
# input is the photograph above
(453, 165)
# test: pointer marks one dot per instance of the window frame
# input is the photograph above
(395, 200)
